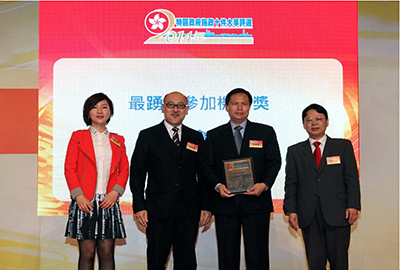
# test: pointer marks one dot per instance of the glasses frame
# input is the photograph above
(180, 105)
(318, 119)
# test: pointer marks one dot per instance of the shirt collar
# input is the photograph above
(243, 125)
(95, 133)
(322, 140)
(170, 127)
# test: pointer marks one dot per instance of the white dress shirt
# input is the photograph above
(171, 132)
(103, 153)
(321, 146)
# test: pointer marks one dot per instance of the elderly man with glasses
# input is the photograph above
(175, 199)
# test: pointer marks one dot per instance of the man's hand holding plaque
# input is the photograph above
(256, 190)
(224, 192)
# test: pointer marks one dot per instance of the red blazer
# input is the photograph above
(80, 165)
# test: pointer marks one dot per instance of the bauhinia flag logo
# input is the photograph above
(167, 29)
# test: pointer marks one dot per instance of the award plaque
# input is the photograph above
(239, 174)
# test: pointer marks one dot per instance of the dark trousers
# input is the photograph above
(255, 235)
(324, 242)
(178, 231)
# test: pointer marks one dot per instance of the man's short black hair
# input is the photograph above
(237, 91)
(91, 102)
(316, 107)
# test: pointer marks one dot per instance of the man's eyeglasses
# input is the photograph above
(171, 105)
(318, 119)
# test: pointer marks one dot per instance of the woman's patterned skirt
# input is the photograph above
(99, 224)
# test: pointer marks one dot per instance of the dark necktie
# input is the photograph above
(175, 136)
(238, 138)
(317, 153)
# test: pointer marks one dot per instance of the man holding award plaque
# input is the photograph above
(240, 162)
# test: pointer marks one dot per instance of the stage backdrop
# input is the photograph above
(287, 54)
(29, 241)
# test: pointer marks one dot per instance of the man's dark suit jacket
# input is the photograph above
(170, 170)
(337, 184)
(220, 145)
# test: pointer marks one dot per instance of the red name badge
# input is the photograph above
(192, 146)
(333, 160)
(255, 144)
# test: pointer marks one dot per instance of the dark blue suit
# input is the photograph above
(250, 212)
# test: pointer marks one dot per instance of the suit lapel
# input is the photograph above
(306, 149)
(327, 152)
(184, 140)
(227, 131)
(86, 145)
(116, 152)
(248, 135)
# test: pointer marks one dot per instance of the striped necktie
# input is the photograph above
(175, 136)
(238, 138)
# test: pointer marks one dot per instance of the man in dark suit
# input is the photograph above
(249, 211)
(168, 154)
(322, 192)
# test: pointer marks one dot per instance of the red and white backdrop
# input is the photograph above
(287, 54)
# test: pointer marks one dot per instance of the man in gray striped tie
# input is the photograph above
(250, 211)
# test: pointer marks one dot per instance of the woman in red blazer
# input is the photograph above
(96, 170)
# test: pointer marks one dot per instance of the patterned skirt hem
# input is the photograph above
(99, 224)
